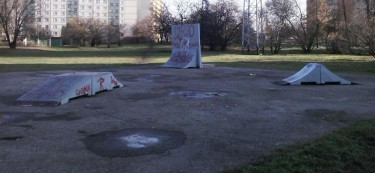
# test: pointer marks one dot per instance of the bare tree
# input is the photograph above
(183, 9)
(95, 29)
(113, 34)
(14, 16)
(163, 20)
(362, 27)
(221, 23)
(277, 29)
(74, 33)
(143, 30)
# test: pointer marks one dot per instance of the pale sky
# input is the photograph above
(239, 2)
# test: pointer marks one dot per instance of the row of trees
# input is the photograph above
(220, 22)
(95, 32)
(343, 29)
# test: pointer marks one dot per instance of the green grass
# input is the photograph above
(351, 149)
(33, 59)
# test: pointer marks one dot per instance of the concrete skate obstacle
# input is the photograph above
(314, 73)
(186, 47)
(60, 89)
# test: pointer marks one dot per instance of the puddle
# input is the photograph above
(133, 142)
(198, 94)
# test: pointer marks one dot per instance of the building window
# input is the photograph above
(62, 19)
(55, 19)
(98, 1)
(104, 1)
(46, 19)
(104, 14)
(54, 26)
(46, 13)
(54, 6)
(46, 27)
(63, 13)
(62, 6)
(39, 19)
(55, 13)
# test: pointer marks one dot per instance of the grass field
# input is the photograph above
(31, 59)
(351, 149)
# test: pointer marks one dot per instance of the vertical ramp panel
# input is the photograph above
(186, 48)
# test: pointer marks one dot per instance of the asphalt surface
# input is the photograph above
(237, 116)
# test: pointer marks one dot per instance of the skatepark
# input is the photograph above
(172, 120)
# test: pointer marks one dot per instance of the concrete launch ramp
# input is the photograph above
(186, 47)
(314, 73)
(60, 88)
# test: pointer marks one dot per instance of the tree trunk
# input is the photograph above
(13, 44)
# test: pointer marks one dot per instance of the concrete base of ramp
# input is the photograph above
(59, 89)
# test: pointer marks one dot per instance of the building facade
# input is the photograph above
(52, 15)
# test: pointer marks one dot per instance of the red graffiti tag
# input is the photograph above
(181, 57)
(101, 81)
(113, 81)
(83, 90)
(183, 31)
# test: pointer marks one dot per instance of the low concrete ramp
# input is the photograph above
(60, 88)
(315, 73)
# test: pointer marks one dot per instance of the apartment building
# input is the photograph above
(52, 15)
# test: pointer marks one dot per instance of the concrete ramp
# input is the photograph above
(314, 73)
(59, 89)
(186, 47)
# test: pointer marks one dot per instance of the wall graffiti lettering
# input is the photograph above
(181, 56)
(101, 81)
(114, 81)
(185, 46)
(183, 31)
(83, 90)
